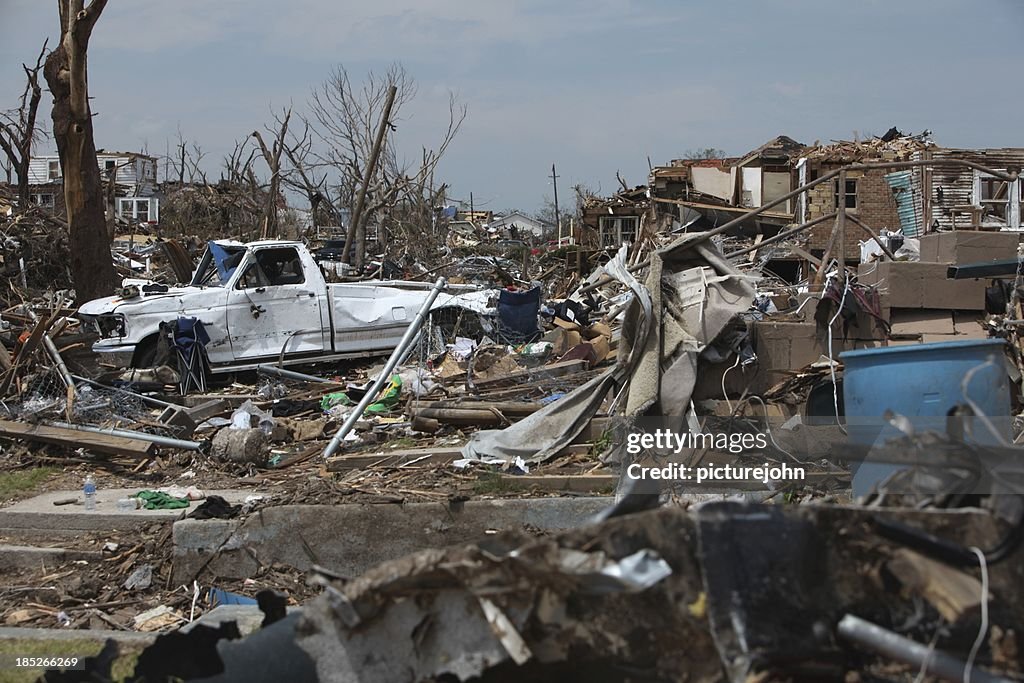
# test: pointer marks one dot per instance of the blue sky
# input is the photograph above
(594, 86)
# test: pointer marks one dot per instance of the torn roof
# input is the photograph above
(114, 153)
(889, 147)
(780, 148)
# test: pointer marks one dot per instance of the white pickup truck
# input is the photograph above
(268, 302)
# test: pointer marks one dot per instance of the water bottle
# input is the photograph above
(89, 490)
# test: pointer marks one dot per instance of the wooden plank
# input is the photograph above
(5, 358)
(73, 438)
(952, 592)
(27, 349)
(207, 409)
(805, 254)
(506, 408)
(757, 243)
(416, 456)
(522, 376)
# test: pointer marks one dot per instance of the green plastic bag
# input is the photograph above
(390, 398)
(338, 398)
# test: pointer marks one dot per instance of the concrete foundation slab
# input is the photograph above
(349, 539)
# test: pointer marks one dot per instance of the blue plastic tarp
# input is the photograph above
(220, 257)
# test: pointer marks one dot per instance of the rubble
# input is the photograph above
(685, 306)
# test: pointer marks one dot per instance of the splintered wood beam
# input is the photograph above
(74, 439)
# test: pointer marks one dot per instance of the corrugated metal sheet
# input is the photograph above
(907, 205)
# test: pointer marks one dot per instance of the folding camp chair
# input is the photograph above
(190, 339)
(517, 315)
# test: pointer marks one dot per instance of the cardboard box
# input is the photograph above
(916, 322)
(967, 325)
(785, 347)
(916, 284)
(562, 340)
(864, 326)
(602, 346)
(964, 247)
(934, 325)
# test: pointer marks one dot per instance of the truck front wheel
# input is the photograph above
(145, 353)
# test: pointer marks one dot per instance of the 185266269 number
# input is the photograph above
(42, 662)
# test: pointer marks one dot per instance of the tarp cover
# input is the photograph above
(544, 433)
(690, 294)
(222, 259)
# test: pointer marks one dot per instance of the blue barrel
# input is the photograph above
(922, 382)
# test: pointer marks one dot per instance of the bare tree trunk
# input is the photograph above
(18, 129)
(272, 156)
(66, 72)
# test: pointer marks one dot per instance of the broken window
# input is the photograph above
(135, 209)
(849, 198)
(252, 277)
(994, 196)
(617, 230)
(43, 200)
(53, 170)
(279, 266)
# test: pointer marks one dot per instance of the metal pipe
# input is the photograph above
(51, 348)
(782, 236)
(54, 352)
(284, 347)
(291, 374)
(934, 662)
(385, 374)
(864, 226)
(128, 434)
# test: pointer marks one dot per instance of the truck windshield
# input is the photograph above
(217, 265)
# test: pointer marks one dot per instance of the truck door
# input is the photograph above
(273, 303)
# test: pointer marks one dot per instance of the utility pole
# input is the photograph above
(558, 216)
(471, 212)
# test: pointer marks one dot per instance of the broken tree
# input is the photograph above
(66, 72)
(18, 128)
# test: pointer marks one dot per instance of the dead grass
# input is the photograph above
(124, 665)
(18, 483)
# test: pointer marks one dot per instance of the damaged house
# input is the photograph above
(134, 175)
(700, 194)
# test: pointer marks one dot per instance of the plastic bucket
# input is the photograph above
(924, 383)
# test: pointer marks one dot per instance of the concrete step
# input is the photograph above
(39, 514)
(13, 634)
